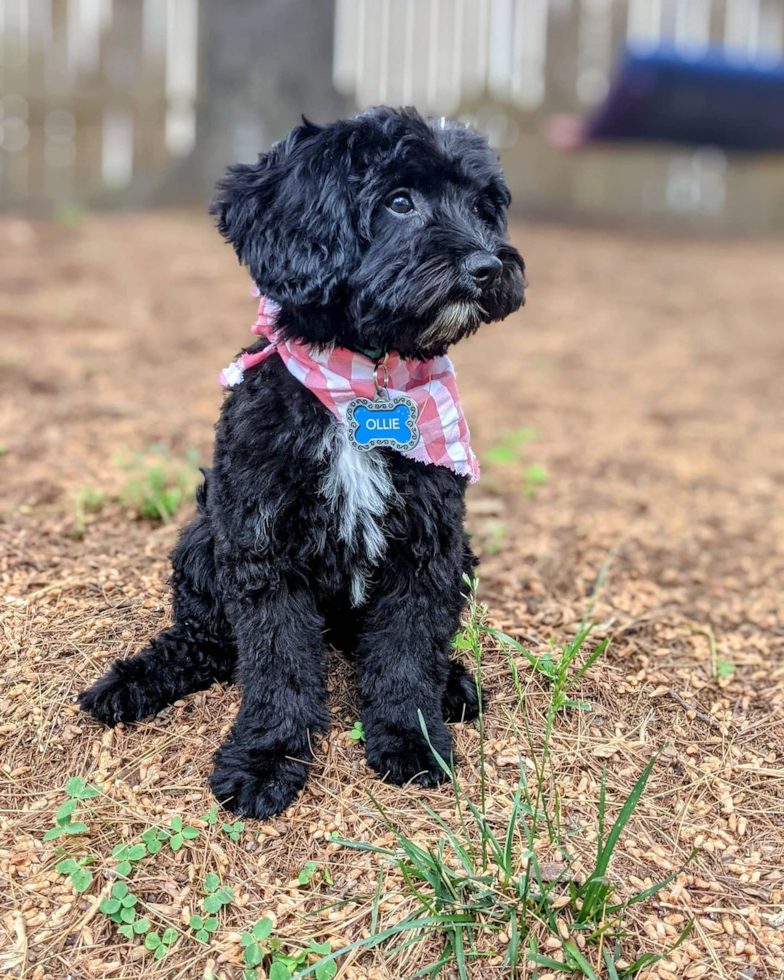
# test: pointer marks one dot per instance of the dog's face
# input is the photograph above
(382, 232)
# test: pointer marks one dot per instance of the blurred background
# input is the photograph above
(135, 103)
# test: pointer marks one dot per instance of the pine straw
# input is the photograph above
(653, 376)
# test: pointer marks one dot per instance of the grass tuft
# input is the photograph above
(158, 484)
(507, 454)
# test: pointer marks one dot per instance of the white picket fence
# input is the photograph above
(443, 54)
(92, 91)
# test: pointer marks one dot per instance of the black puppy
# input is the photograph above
(377, 234)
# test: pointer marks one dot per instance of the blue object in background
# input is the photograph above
(666, 97)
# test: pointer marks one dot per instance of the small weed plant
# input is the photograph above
(536, 476)
(262, 951)
(309, 869)
(720, 669)
(496, 534)
(86, 501)
(78, 792)
(509, 446)
(158, 483)
(508, 452)
(174, 835)
(234, 830)
(79, 876)
(357, 733)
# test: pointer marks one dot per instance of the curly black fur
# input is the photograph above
(300, 541)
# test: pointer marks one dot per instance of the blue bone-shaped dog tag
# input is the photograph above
(384, 422)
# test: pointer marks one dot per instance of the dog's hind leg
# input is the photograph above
(461, 698)
(197, 650)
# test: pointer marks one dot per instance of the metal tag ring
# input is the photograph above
(381, 387)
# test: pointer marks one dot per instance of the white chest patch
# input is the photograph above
(358, 490)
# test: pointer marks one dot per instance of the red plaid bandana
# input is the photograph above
(338, 376)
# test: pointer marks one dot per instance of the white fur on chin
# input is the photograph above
(451, 322)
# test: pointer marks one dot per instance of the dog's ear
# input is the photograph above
(290, 217)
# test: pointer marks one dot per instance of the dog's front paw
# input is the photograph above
(115, 697)
(256, 783)
(403, 756)
(461, 696)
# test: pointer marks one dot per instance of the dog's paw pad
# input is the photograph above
(411, 763)
(110, 700)
(259, 789)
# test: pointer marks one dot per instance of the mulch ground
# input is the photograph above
(651, 371)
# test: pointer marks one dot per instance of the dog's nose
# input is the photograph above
(484, 269)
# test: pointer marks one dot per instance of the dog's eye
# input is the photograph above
(400, 203)
(486, 211)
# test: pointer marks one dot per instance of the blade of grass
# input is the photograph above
(408, 924)
(577, 957)
(459, 949)
(549, 962)
(509, 641)
(602, 809)
(649, 959)
(450, 771)
(589, 889)
(512, 951)
(588, 663)
(597, 588)
(376, 902)
(612, 973)
(461, 851)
